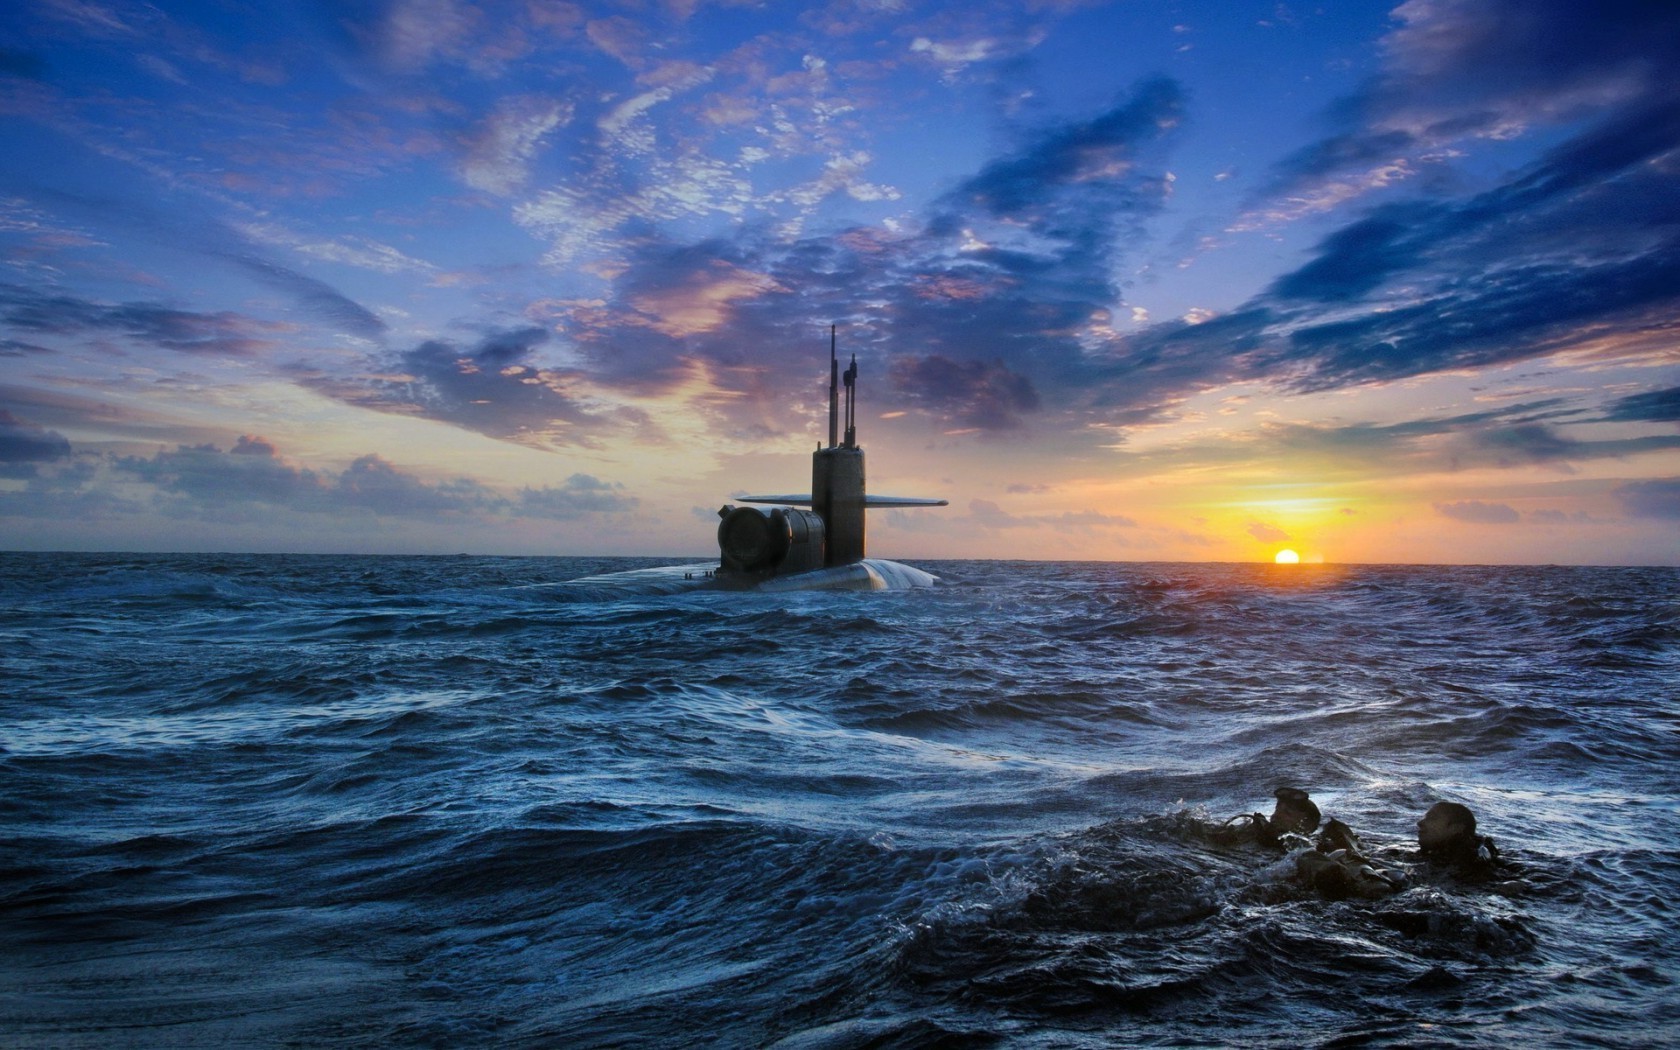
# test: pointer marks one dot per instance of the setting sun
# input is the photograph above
(1287, 557)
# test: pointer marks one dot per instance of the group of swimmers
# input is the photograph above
(1339, 868)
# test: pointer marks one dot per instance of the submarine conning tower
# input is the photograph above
(757, 543)
(837, 476)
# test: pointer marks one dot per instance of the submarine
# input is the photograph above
(806, 542)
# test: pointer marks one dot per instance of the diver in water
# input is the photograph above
(1338, 868)
(1447, 836)
(1338, 865)
(1294, 814)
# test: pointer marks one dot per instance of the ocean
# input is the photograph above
(452, 801)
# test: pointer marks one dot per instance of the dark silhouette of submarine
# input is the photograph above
(810, 542)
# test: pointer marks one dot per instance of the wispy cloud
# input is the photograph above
(222, 333)
(1478, 513)
(494, 387)
(989, 515)
(1458, 70)
(253, 478)
(500, 153)
(323, 301)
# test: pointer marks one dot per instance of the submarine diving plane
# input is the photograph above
(809, 542)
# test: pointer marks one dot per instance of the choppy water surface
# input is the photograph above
(442, 801)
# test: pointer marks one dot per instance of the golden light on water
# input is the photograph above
(1287, 557)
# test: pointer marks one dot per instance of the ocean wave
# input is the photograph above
(358, 801)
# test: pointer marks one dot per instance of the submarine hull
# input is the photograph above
(870, 574)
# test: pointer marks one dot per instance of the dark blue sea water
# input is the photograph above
(262, 800)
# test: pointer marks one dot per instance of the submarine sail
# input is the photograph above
(811, 541)
(839, 491)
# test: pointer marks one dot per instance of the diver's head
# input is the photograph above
(1294, 812)
(1448, 831)
(1337, 835)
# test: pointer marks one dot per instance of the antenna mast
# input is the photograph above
(851, 405)
(833, 392)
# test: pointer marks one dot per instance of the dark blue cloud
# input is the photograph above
(1072, 160)
(22, 442)
(1460, 69)
(1478, 318)
(320, 299)
(1578, 244)
(1356, 259)
(1656, 406)
(65, 490)
(493, 387)
(221, 333)
(220, 245)
(1342, 152)
(982, 394)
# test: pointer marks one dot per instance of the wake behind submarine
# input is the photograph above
(786, 548)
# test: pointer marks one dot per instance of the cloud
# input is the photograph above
(222, 333)
(1657, 498)
(253, 478)
(977, 394)
(1355, 259)
(1006, 282)
(499, 155)
(1456, 70)
(988, 515)
(252, 472)
(965, 41)
(345, 249)
(22, 442)
(375, 484)
(1266, 533)
(1656, 406)
(1518, 434)
(65, 490)
(18, 348)
(1577, 249)
(1546, 516)
(238, 245)
(319, 298)
(582, 495)
(691, 299)
(1477, 512)
(23, 445)
(1081, 159)
(494, 387)
(414, 33)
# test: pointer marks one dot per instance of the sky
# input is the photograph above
(1137, 280)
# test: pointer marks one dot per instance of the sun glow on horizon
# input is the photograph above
(1287, 557)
